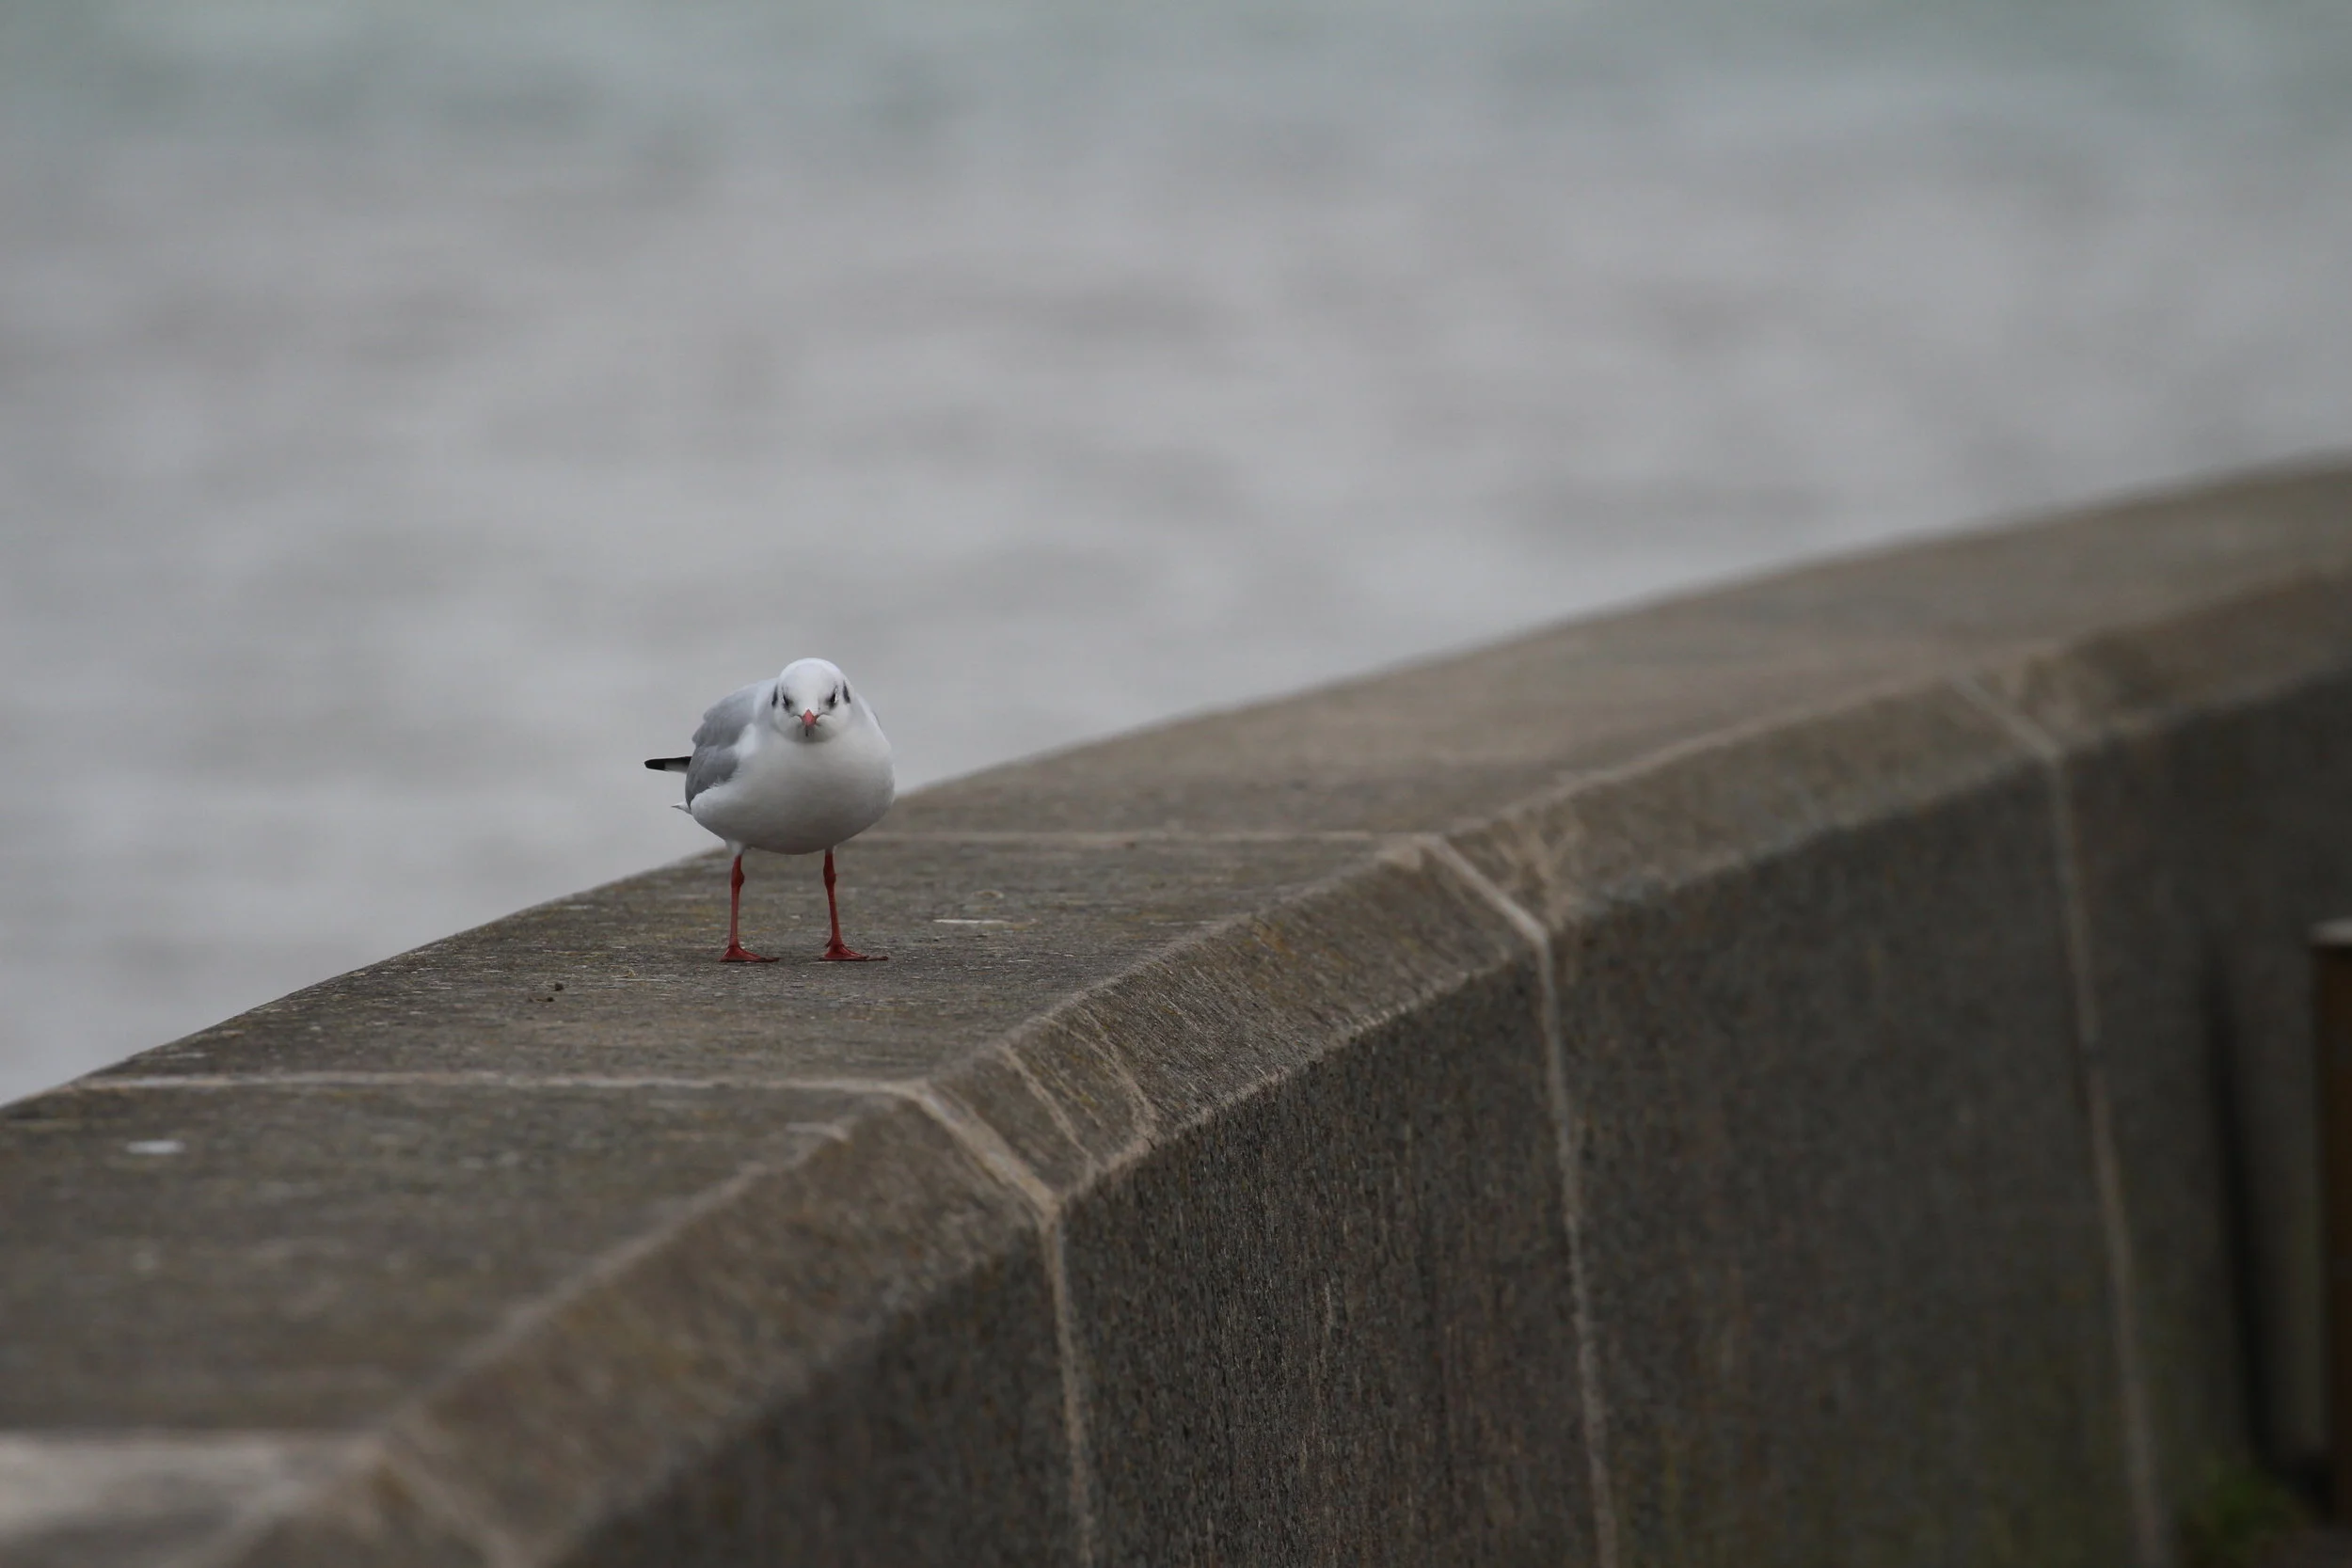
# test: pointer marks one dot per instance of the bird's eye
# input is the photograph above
(834, 699)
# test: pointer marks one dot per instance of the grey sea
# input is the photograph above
(411, 414)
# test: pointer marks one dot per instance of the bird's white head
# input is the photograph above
(812, 699)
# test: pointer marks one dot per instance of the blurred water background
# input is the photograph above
(411, 412)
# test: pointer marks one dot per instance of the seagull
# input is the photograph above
(794, 765)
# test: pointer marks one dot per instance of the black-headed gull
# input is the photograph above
(793, 766)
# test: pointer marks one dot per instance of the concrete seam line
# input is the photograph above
(499, 1548)
(987, 1147)
(1571, 782)
(1078, 1015)
(435, 1501)
(2106, 1164)
(1078, 1435)
(1001, 1159)
(1569, 1144)
(1056, 1112)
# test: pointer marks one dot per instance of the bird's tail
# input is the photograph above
(668, 765)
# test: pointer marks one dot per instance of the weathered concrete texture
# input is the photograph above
(619, 981)
(285, 1257)
(1804, 1074)
(884, 1290)
(1287, 1358)
(2207, 768)
(1368, 1354)
(1842, 1226)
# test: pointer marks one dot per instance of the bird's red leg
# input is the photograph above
(835, 950)
(736, 953)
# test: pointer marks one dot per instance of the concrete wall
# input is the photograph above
(1809, 1074)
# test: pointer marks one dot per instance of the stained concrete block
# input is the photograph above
(1840, 1213)
(1366, 1355)
(1820, 1040)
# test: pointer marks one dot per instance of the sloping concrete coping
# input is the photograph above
(1806, 1073)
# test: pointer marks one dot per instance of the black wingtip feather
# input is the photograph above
(668, 765)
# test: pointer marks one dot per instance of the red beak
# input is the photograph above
(808, 721)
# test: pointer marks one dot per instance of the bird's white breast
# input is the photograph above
(793, 797)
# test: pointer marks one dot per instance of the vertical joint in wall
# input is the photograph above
(1569, 1142)
(2151, 1539)
(998, 1158)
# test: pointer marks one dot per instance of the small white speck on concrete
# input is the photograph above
(155, 1146)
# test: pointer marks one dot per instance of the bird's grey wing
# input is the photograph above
(713, 762)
